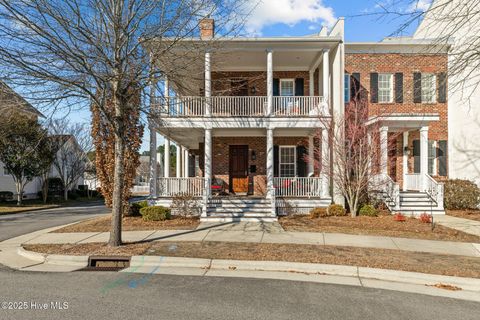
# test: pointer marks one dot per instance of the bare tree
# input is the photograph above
(80, 52)
(71, 141)
(356, 147)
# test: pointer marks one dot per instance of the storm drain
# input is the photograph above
(102, 263)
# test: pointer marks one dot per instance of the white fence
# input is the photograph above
(171, 187)
(244, 106)
(297, 186)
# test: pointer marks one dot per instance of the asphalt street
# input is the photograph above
(109, 295)
(13, 225)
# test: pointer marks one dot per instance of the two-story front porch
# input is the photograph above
(247, 145)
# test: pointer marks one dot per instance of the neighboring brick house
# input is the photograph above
(250, 126)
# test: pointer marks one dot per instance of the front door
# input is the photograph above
(239, 169)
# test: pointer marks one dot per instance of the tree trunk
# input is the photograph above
(65, 193)
(18, 186)
(45, 188)
(117, 197)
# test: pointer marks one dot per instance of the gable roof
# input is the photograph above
(9, 99)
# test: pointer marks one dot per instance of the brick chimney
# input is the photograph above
(207, 29)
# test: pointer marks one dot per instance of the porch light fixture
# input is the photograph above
(254, 155)
(406, 150)
(253, 90)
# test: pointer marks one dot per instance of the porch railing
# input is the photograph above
(171, 187)
(297, 186)
(390, 190)
(226, 106)
(297, 106)
(413, 181)
(434, 190)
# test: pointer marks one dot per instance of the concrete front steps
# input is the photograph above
(239, 209)
(416, 203)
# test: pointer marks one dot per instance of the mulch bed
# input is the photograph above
(466, 214)
(383, 225)
(103, 224)
(365, 257)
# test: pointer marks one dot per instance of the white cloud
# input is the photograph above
(419, 5)
(290, 12)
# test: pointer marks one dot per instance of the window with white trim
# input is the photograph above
(429, 87)
(287, 161)
(432, 157)
(385, 87)
(287, 87)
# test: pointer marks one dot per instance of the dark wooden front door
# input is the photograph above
(238, 169)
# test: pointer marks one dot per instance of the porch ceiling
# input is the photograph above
(402, 122)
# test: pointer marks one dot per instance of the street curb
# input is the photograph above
(171, 262)
(56, 259)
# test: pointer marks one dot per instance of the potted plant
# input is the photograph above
(399, 217)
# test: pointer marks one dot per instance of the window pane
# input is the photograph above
(385, 87)
(347, 88)
(287, 88)
(287, 162)
(429, 87)
(432, 155)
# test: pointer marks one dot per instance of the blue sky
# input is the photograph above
(302, 17)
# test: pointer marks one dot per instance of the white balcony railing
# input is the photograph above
(297, 186)
(297, 106)
(227, 106)
(171, 187)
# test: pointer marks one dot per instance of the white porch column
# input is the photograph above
(384, 150)
(270, 163)
(325, 163)
(166, 93)
(311, 157)
(423, 155)
(405, 160)
(326, 76)
(178, 164)
(208, 84)
(311, 83)
(269, 82)
(166, 156)
(208, 160)
(185, 162)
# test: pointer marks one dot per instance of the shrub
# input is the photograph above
(425, 218)
(368, 210)
(155, 213)
(73, 195)
(461, 194)
(316, 213)
(336, 210)
(399, 217)
(134, 209)
(185, 205)
(6, 196)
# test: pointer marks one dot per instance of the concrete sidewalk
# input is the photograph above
(460, 224)
(259, 233)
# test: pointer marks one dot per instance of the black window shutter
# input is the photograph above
(399, 87)
(299, 87)
(417, 87)
(275, 161)
(442, 157)
(442, 87)
(355, 86)
(416, 156)
(276, 87)
(301, 163)
(374, 87)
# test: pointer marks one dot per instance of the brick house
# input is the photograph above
(246, 121)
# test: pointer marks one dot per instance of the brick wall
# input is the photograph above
(221, 81)
(408, 64)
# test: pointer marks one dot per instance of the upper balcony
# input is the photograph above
(241, 106)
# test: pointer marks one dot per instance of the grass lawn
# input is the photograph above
(383, 225)
(466, 214)
(103, 224)
(365, 257)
